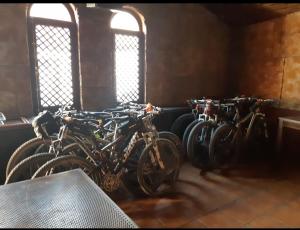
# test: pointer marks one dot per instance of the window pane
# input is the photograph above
(127, 67)
(124, 21)
(53, 47)
(55, 11)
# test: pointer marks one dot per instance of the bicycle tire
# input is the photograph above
(173, 166)
(25, 150)
(74, 149)
(175, 139)
(40, 149)
(64, 162)
(198, 152)
(180, 124)
(21, 169)
(257, 134)
(258, 144)
(216, 152)
(186, 134)
(130, 179)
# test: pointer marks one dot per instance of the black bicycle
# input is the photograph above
(247, 129)
(135, 152)
(214, 114)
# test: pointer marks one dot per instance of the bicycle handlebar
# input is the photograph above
(69, 120)
(261, 103)
(202, 101)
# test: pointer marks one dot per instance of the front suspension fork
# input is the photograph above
(150, 138)
(157, 154)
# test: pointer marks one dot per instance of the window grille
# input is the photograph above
(54, 68)
(127, 67)
(53, 55)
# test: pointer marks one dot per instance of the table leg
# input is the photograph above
(279, 140)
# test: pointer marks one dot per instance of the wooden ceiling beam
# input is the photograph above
(241, 14)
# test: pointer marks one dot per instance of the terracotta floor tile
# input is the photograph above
(241, 198)
(266, 222)
(205, 198)
(256, 184)
(241, 211)
(264, 201)
(284, 190)
(171, 222)
(288, 214)
(148, 223)
(223, 184)
(194, 224)
(178, 214)
(295, 203)
(219, 219)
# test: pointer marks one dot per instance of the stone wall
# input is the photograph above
(269, 59)
(15, 81)
(187, 49)
(96, 58)
(187, 53)
(186, 57)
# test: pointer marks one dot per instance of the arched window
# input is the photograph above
(54, 56)
(129, 57)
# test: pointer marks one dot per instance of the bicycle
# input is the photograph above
(245, 130)
(46, 126)
(215, 113)
(111, 159)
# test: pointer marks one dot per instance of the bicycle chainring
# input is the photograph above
(111, 182)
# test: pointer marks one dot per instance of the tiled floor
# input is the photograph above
(253, 197)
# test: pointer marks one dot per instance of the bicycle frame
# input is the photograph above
(252, 116)
(110, 150)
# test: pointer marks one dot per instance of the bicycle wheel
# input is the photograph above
(222, 147)
(65, 163)
(181, 123)
(152, 178)
(198, 144)
(258, 136)
(25, 150)
(42, 148)
(258, 146)
(74, 149)
(130, 179)
(186, 134)
(175, 139)
(27, 167)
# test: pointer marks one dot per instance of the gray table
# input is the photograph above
(64, 200)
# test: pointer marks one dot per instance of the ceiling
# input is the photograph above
(245, 14)
(238, 14)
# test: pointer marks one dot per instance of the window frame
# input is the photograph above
(31, 24)
(141, 36)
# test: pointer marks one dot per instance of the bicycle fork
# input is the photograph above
(155, 157)
(254, 117)
(157, 154)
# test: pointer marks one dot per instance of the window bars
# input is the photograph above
(127, 67)
(54, 65)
